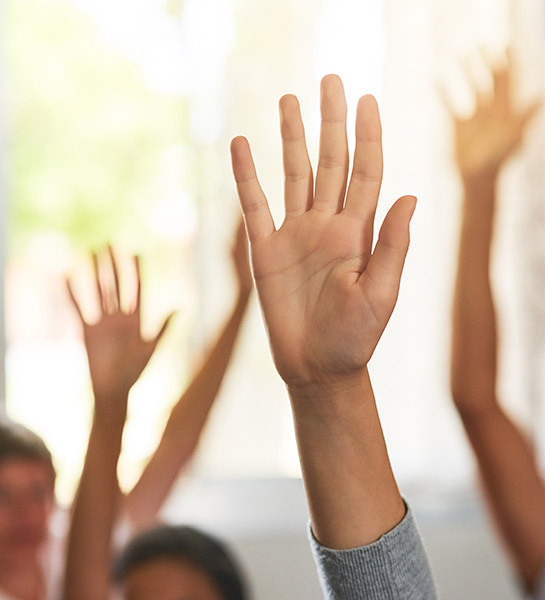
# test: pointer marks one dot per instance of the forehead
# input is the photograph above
(21, 472)
(166, 578)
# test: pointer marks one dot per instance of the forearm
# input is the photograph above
(351, 490)
(474, 335)
(513, 489)
(93, 514)
(186, 423)
(510, 478)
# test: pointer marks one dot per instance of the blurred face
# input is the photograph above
(26, 502)
(167, 578)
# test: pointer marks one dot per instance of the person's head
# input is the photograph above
(178, 563)
(27, 485)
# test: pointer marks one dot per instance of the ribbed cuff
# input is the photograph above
(395, 567)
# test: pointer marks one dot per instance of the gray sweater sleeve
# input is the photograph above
(395, 567)
(539, 593)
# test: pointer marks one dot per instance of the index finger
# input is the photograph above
(257, 215)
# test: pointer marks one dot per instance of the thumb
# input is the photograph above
(530, 112)
(162, 329)
(73, 299)
(386, 263)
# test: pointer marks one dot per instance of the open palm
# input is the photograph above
(116, 350)
(494, 131)
(326, 294)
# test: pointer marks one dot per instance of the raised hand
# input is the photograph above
(510, 478)
(326, 294)
(116, 350)
(486, 139)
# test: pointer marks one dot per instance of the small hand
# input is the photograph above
(485, 140)
(326, 295)
(116, 351)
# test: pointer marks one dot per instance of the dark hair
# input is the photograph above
(16, 441)
(178, 541)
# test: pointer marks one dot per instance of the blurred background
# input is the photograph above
(116, 117)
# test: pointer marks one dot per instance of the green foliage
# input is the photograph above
(86, 133)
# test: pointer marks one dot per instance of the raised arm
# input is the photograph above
(326, 296)
(189, 415)
(512, 484)
(117, 355)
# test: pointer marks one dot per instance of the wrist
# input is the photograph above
(478, 181)
(110, 410)
(331, 399)
(108, 434)
(111, 395)
(479, 200)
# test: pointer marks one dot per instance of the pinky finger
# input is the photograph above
(257, 215)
